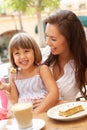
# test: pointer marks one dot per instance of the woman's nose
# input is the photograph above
(48, 41)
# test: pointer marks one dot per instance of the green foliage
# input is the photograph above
(51, 4)
(31, 5)
(34, 6)
(17, 4)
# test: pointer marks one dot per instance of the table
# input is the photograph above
(51, 124)
(80, 124)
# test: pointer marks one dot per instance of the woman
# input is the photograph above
(68, 57)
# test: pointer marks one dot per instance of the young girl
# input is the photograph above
(30, 81)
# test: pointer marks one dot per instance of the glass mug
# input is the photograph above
(23, 113)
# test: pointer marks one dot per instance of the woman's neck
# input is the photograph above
(63, 59)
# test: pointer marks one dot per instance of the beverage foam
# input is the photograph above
(21, 106)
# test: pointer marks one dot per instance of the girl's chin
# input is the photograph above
(24, 68)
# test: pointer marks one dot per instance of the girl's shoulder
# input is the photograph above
(44, 70)
(43, 67)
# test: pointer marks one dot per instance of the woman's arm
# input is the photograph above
(53, 93)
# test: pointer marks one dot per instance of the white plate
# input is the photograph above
(37, 125)
(53, 112)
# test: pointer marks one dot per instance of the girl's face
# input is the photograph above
(56, 40)
(23, 58)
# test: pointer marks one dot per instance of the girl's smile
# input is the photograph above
(24, 58)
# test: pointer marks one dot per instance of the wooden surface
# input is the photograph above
(51, 124)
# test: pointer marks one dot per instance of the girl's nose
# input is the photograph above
(22, 55)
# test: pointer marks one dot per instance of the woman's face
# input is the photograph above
(56, 40)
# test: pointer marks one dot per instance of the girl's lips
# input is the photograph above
(24, 62)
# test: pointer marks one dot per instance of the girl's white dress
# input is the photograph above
(31, 88)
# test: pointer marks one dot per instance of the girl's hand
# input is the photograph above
(4, 86)
(37, 102)
(1, 85)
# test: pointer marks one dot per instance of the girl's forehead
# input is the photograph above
(20, 48)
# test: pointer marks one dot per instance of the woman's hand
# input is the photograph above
(37, 102)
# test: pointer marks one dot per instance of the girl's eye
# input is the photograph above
(27, 50)
(16, 53)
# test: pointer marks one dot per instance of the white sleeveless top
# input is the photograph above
(67, 83)
(31, 88)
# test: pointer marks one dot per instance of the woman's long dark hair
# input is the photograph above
(72, 29)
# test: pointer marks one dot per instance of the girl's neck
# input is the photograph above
(29, 70)
(27, 73)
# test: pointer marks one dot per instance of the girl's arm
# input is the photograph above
(13, 90)
(53, 93)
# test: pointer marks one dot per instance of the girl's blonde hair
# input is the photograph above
(24, 40)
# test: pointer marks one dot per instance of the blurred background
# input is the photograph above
(28, 15)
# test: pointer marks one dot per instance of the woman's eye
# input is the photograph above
(53, 39)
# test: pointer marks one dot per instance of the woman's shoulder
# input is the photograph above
(70, 65)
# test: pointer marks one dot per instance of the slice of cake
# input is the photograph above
(70, 109)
